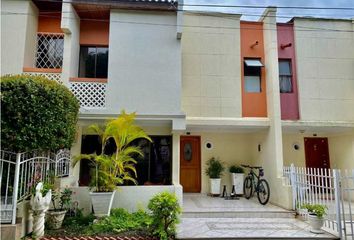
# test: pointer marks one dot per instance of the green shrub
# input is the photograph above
(36, 113)
(214, 168)
(165, 210)
(236, 169)
(121, 220)
(79, 220)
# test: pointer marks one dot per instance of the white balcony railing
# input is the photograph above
(55, 76)
(90, 93)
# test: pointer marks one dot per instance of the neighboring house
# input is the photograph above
(257, 93)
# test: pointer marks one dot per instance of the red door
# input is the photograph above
(190, 168)
(316, 153)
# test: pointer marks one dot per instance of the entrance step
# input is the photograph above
(239, 214)
(246, 228)
(202, 206)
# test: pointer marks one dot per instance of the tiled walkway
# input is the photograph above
(215, 218)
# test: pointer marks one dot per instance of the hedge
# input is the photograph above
(36, 113)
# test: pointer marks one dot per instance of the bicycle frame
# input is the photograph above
(254, 176)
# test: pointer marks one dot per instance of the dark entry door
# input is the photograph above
(190, 157)
(316, 153)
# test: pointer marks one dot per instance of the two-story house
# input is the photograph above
(202, 84)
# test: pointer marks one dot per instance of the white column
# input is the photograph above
(70, 24)
(273, 145)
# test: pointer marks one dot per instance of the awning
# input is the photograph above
(253, 63)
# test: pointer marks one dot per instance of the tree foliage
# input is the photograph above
(36, 113)
(115, 169)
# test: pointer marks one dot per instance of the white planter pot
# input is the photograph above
(237, 181)
(102, 203)
(215, 184)
(315, 223)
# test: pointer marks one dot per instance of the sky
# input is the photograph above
(284, 15)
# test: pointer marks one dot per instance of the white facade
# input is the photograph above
(325, 67)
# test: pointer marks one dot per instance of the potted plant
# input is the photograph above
(61, 201)
(316, 214)
(214, 171)
(117, 168)
(237, 177)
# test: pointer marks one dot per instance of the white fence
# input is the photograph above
(19, 171)
(331, 187)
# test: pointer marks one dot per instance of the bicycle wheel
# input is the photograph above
(263, 192)
(248, 187)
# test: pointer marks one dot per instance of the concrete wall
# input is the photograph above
(325, 67)
(144, 70)
(18, 35)
(130, 198)
(230, 148)
(211, 79)
(341, 149)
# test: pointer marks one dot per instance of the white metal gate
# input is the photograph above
(19, 170)
(331, 187)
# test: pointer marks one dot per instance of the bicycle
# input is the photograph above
(254, 183)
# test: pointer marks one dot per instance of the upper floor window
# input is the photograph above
(285, 76)
(93, 62)
(50, 47)
(252, 73)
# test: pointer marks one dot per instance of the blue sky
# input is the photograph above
(284, 14)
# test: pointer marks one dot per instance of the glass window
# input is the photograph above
(285, 76)
(252, 84)
(93, 62)
(252, 73)
(154, 168)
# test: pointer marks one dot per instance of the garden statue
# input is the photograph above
(39, 205)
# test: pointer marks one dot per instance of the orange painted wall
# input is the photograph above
(49, 24)
(253, 104)
(94, 33)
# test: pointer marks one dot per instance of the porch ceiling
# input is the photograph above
(317, 126)
(242, 125)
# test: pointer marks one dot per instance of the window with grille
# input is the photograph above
(93, 62)
(285, 76)
(50, 49)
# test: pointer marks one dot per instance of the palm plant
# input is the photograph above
(115, 169)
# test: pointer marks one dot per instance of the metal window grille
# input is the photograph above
(90, 94)
(50, 48)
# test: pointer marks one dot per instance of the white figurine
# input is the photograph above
(39, 205)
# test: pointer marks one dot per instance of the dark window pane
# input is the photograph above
(93, 62)
(102, 63)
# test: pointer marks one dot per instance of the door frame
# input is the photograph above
(327, 150)
(199, 160)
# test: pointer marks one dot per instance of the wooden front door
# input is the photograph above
(190, 167)
(316, 153)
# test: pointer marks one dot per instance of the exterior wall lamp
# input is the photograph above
(283, 46)
(254, 44)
